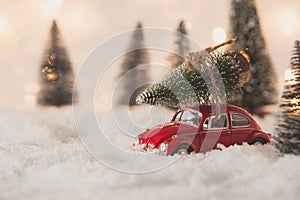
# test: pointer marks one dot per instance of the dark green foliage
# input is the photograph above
(288, 119)
(261, 90)
(134, 69)
(194, 87)
(56, 73)
(181, 46)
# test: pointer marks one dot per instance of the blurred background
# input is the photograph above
(24, 28)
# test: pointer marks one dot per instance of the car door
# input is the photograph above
(215, 130)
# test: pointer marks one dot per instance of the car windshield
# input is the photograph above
(188, 116)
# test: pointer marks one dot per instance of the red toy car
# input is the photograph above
(199, 130)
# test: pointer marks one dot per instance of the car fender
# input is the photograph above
(174, 143)
(257, 134)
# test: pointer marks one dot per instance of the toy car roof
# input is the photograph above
(208, 109)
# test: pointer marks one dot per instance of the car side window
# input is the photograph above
(239, 120)
(212, 122)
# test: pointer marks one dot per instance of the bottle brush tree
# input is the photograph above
(132, 70)
(56, 74)
(261, 90)
(181, 46)
(288, 119)
(200, 79)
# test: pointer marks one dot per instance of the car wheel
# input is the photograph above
(258, 141)
(183, 149)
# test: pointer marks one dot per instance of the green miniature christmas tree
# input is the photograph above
(195, 82)
(133, 59)
(56, 73)
(288, 119)
(181, 46)
(261, 90)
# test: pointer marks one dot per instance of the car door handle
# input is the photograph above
(227, 131)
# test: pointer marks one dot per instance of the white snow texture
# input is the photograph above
(41, 157)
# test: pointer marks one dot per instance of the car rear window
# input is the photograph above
(239, 120)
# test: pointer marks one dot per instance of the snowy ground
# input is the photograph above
(41, 157)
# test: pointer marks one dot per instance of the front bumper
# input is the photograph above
(144, 148)
(138, 147)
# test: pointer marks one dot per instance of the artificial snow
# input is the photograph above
(41, 157)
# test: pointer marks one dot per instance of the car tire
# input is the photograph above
(183, 149)
(258, 141)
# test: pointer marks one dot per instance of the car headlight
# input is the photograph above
(163, 147)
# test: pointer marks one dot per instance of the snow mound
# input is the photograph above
(41, 157)
(39, 126)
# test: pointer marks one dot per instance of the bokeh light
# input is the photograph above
(3, 25)
(288, 21)
(218, 35)
(51, 6)
(288, 75)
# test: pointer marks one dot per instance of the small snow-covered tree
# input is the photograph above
(181, 46)
(187, 86)
(132, 63)
(288, 119)
(261, 89)
(56, 73)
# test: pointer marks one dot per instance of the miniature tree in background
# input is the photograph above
(56, 73)
(131, 63)
(288, 119)
(181, 46)
(261, 90)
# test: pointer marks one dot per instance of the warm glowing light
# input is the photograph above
(288, 75)
(288, 21)
(295, 105)
(188, 25)
(49, 73)
(51, 60)
(3, 25)
(51, 6)
(294, 101)
(218, 35)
